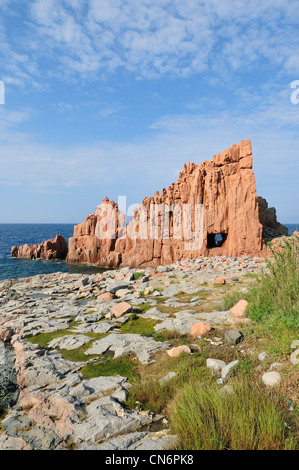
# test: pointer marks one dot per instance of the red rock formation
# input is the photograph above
(51, 249)
(224, 188)
(271, 227)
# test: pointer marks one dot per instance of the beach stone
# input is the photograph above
(169, 376)
(200, 329)
(234, 336)
(226, 370)
(177, 351)
(106, 296)
(270, 379)
(215, 365)
(120, 309)
(122, 293)
(262, 356)
(295, 357)
(238, 311)
(294, 344)
(117, 285)
(221, 281)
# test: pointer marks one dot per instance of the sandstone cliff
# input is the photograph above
(232, 218)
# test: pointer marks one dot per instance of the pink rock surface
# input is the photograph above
(238, 310)
(200, 329)
(106, 296)
(120, 309)
(51, 249)
(224, 186)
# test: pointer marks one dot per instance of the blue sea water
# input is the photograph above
(19, 234)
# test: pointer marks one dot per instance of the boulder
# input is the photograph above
(270, 379)
(177, 351)
(234, 336)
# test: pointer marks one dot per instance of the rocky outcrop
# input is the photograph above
(231, 225)
(54, 249)
(271, 227)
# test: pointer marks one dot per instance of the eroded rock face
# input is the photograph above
(231, 222)
(271, 227)
(51, 249)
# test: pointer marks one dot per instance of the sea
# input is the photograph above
(19, 234)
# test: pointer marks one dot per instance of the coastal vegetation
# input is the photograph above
(251, 416)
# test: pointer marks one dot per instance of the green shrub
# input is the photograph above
(108, 366)
(137, 276)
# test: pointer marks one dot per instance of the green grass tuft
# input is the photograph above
(107, 366)
(249, 419)
(275, 297)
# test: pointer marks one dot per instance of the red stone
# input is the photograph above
(50, 249)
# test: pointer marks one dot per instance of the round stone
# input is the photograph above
(270, 379)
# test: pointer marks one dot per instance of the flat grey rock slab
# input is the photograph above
(16, 423)
(155, 314)
(117, 443)
(96, 387)
(99, 328)
(41, 438)
(148, 443)
(215, 317)
(105, 418)
(122, 344)
(69, 342)
(225, 372)
(89, 318)
(182, 323)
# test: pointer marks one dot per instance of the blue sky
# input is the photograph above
(112, 97)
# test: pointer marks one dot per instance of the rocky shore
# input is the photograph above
(55, 404)
(69, 334)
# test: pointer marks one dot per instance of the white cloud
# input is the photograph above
(152, 38)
